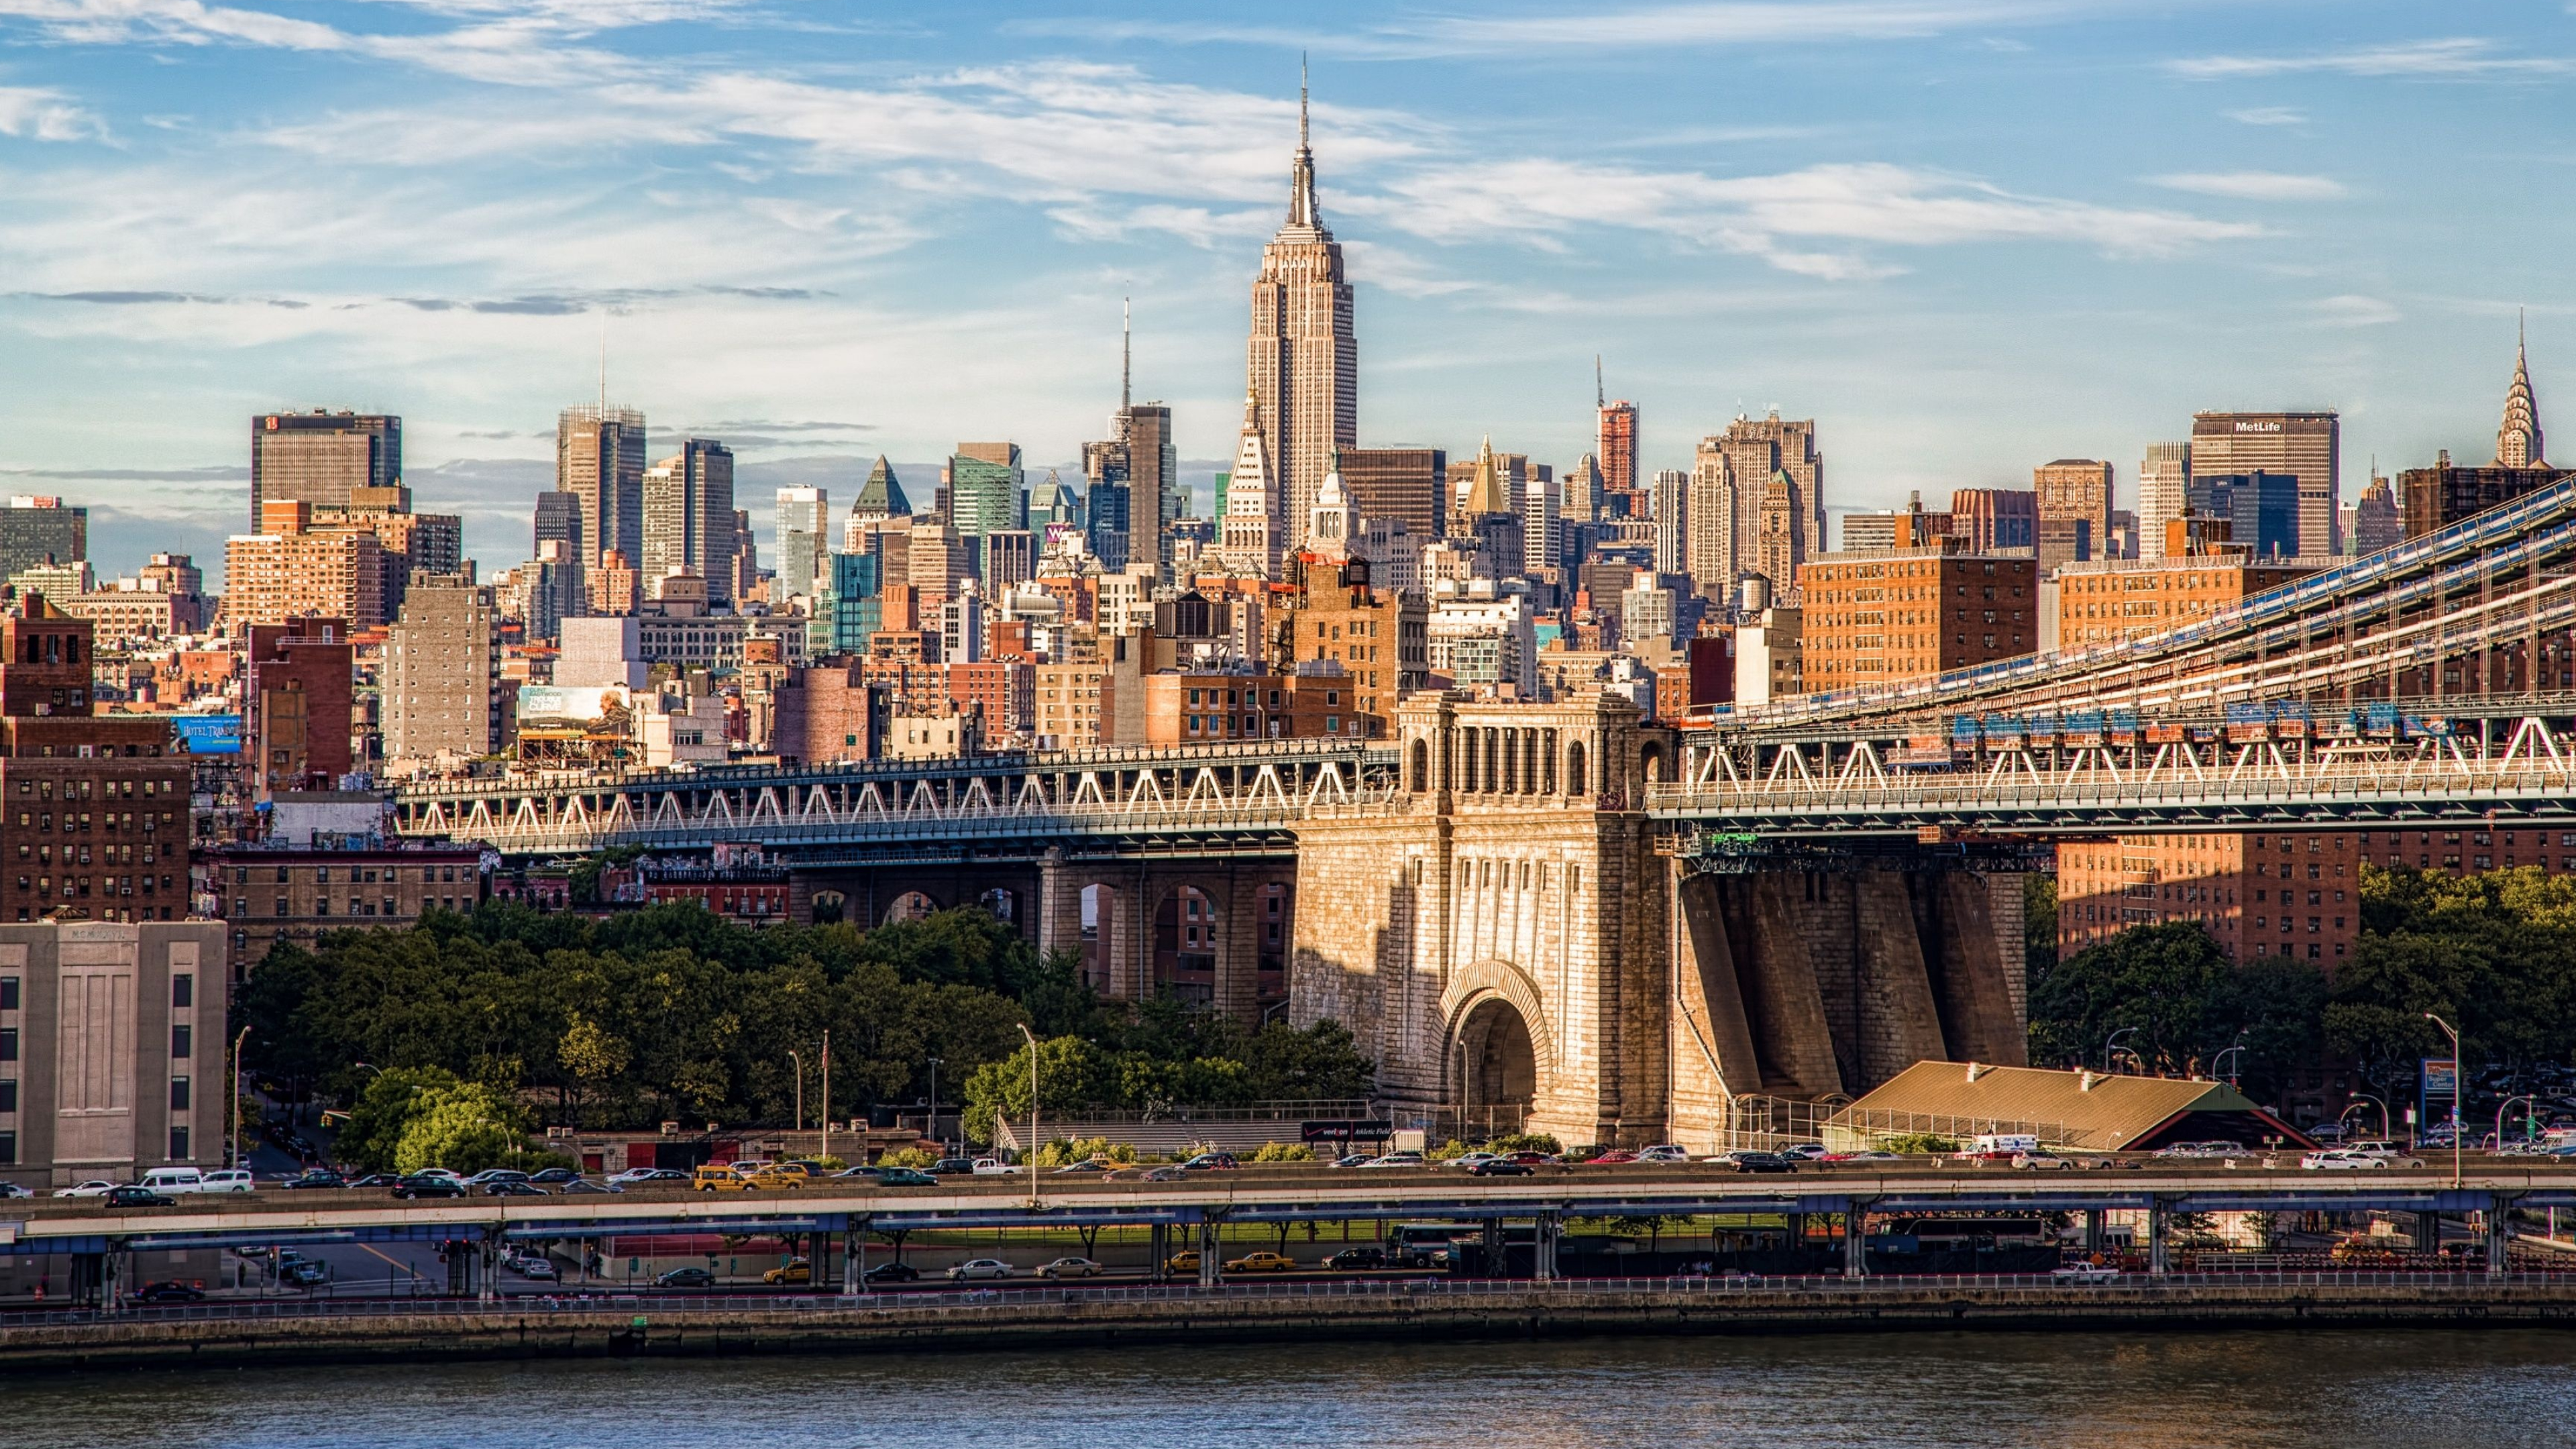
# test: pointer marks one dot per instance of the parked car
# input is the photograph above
(2086, 1273)
(1262, 1261)
(686, 1278)
(794, 1270)
(554, 1176)
(312, 1177)
(892, 1273)
(979, 1268)
(1355, 1259)
(306, 1274)
(1762, 1162)
(169, 1293)
(1070, 1268)
(138, 1197)
(1406, 1158)
(429, 1184)
(1501, 1167)
(1211, 1162)
(506, 1188)
(536, 1267)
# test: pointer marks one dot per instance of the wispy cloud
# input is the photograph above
(2254, 185)
(46, 116)
(2353, 310)
(2459, 58)
(2269, 116)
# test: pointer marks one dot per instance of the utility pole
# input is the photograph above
(827, 1096)
(1032, 1040)
(232, 1143)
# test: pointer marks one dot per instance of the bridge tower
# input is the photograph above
(1495, 935)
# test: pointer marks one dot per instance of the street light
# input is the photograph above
(2238, 1050)
(2112, 1040)
(800, 1088)
(232, 1143)
(934, 1108)
(1032, 1040)
(2530, 1109)
(2447, 1030)
(826, 1150)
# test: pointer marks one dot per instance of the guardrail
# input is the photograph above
(814, 1305)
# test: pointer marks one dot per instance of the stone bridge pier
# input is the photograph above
(1506, 941)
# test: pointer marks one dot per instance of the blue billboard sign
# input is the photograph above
(209, 734)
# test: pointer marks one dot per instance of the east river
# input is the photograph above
(2214, 1390)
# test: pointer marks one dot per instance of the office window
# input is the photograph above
(178, 1094)
(178, 1144)
(8, 1147)
(8, 993)
(181, 1039)
(8, 1043)
(183, 988)
(8, 1094)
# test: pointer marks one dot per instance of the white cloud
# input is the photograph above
(45, 116)
(2353, 310)
(2254, 185)
(183, 22)
(2269, 116)
(1773, 217)
(2459, 58)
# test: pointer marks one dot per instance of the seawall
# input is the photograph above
(221, 1335)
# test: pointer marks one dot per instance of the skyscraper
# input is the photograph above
(1736, 467)
(2076, 490)
(804, 541)
(2304, 445)
(1139, 456)
(319, 457)
(986, 485)
(688, 516)
(1408, 485)
(442, 672)
(36, 528)
(1248, 537)
(2164, 483)
(599, 459)
(2518, 440)
(1617, 449)
(2430, 498)
(880, 498)
(1302, 362)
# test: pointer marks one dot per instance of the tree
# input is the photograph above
(2039, 923)
(2159, 980)
(464, 1128)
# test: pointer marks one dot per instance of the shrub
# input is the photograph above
(1919, 1144)
(1523, 1142)
(906, 1157)
(1449, 1151)
(1284, 1152)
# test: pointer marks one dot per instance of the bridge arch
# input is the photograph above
(1494, 980)
(910, 906)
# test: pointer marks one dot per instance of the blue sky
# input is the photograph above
(1966, 236)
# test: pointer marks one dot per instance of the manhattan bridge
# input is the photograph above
(1620, 930)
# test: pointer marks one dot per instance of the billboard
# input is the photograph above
(561, 704)
(2441, 1079)
(208, 734)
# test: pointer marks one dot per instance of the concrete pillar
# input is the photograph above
(487, 1256)
(1238, 957)
(1059, 905)
(1160, 1247)
(2499, 1235)
(1495, 1265)
(2156, 1262)
(854, 1258)
(1543, 1247)
(1209, 1267)
(2093, 1234)
(1856, 1240)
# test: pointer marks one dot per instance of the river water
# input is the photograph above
(2499, 1389)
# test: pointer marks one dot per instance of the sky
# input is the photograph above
(1965, 236)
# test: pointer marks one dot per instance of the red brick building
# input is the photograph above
(828, 714)
(298, 705)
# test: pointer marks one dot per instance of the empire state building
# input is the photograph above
(1302, 364)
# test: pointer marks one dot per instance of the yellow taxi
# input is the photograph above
(794, 1270)
(744, 1177)
(1264, 1261)
(1185, 1261)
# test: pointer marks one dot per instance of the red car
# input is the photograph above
(1529, 1159)
(1616, 1154)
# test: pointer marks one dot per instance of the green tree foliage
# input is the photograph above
(2181, 1002)
(2494, 954)
(673, 1013)
(465, 1128)
(2039, 922)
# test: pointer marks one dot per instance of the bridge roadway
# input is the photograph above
(279, 1218)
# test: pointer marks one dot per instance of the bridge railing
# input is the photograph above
(2323, 783)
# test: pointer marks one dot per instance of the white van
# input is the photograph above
(2001, 1144)
(175, 1180)
(228, 1179)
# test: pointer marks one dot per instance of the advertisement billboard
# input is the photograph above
(208, 734)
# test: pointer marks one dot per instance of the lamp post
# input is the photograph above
(1031, 1039)
(2447, 1030)
(2529, 1103)
(800, 1089)
(2237, 1051)
(232, 1142)
(826, 1150)
(2111, 1041)
(934, 1108)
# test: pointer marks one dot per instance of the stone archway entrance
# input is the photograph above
(1498, 1068)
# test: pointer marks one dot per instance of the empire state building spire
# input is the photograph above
(2518, 441)
(1301, 362)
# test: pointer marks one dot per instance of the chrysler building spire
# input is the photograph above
(2518, 441)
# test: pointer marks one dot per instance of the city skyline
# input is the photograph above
(1849, 259)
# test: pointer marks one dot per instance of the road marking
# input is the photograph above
(395, 1262)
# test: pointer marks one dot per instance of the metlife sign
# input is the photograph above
(2254, 427)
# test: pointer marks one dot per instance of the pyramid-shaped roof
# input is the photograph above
(882, 497)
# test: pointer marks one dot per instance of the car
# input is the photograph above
(1086, 1165)
(313, 1177)
(2043, 1162)
(746, 1177)
(1407, 1158)
(1663, 1152)
(892, 1273)
(992, 1167)
(1263, 1261)
(168, 1293)
(1354, 1159)
(960, 1166)
(530, 1265)
(648, 1177)
(686, 1278)
(554, 1176)
(1166, 1174)
(1872, 1157)
(583, 1184)
(95, 1187)
(376, 1179)
(1472, 1160)
(1501, 1167)
(228, 1179)
(11, 1189)
(1530, 1158)
(1805, 1152)
(491, 1175)
(1614, 1157)
(2086, 1273)
(1211, 1162)
(306, 1274)
(2339, 1159)
(429, 1184)
(1769, 1162)
(794, 1270)
(904, 1177)
(975, 1268)
(1352, 1259)
(1185, 1261)
(138, 1197)
(1070, 1268)
(507, 1188)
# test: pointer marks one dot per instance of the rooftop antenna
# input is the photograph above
(1126, 354)
(603, 360)
(1301, 100)
(1600, 399)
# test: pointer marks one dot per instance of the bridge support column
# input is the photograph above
(1159, 1246)
(1543, 1248)
(2093, 1235)
(487, 1256)
(1209, 1266)
(1496, 1265)
(2157, 1264)
(1856, 1240)
(854, 1258)
(2499, 1235)
(1059, 905)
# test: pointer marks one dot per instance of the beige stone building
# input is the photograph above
(1302, 363)
(442, 673)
